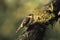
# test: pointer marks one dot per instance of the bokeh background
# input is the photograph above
(12, 12)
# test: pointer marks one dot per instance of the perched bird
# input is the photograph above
(37, 21)
(41, 16)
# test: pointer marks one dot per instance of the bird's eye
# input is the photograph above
(26, 21)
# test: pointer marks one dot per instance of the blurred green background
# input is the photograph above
(15, 12)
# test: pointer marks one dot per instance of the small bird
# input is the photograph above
(41, 16)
